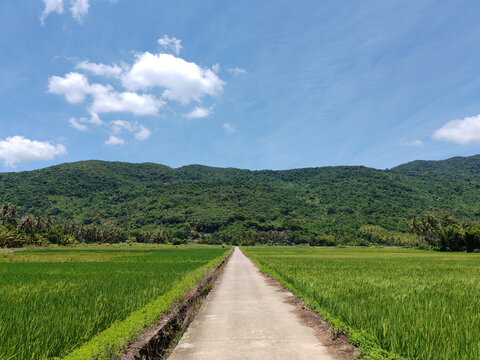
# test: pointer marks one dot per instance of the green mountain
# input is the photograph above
(304, 202)
(463, 167)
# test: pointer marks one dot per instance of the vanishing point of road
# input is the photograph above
(244, 317)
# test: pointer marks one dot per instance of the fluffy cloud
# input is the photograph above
(171, 44)
(17, 149)
(79, 8)
(460, 131)
(73, 86)
(113, 140)
(198, 112)
(237, 71)
(183, 81)
(100, 69)
(106, 100)
(143, 81)
(229, 128)
(51, 6)
(143, 133)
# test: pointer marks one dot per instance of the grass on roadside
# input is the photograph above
(56, 300)
(392, 303)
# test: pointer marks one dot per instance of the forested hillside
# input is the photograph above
(295, 204)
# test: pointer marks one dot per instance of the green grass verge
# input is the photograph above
(366, 343)
(390, 302)
(110, 343)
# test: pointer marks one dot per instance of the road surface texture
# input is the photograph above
(244, 317)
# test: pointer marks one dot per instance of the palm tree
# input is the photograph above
(9, 213)
(28, 223)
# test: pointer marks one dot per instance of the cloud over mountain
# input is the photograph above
(16, 149)
(460, 131)
(139, 89)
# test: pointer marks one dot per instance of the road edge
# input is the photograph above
(159, 340)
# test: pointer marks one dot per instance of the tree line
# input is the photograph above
(18, 231)
(438, 231)
(444, 232)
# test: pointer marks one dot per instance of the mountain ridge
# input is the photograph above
(333, 200)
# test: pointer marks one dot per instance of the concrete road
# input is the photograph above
(246, 318)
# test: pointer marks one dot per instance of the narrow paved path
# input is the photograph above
(246, 318)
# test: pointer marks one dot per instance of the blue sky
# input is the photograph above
(247, 84)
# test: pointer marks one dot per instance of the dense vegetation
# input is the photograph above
(29, 230)
(315, 205)
(445, 233)
(53, 301)
(392, 303)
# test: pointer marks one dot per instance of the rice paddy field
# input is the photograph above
(392, 303)
(53, 301)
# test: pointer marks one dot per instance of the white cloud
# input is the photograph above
(73, 86)
(113, 140)
(183, 81)
(171, 44)
(100, 69)
(236, 71)
(17, 149)
(460, 131)
(79, 8)
(51, 6)
(412, 143)
(229, 128)
(143, 133)
(77, 124)
(119, 125)
(148, 76)
(94, 119)
(106, 100)
(198, 112)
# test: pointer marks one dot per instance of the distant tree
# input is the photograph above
(9, 214)
(451, 238)
(11, 238)
(427, 227)
(28, 223)
(47, 223)
(472, 238)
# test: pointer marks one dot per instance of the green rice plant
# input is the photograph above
(49, 308)
(392, 303)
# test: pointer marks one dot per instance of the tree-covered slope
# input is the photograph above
(304, 202)
(457, 167)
